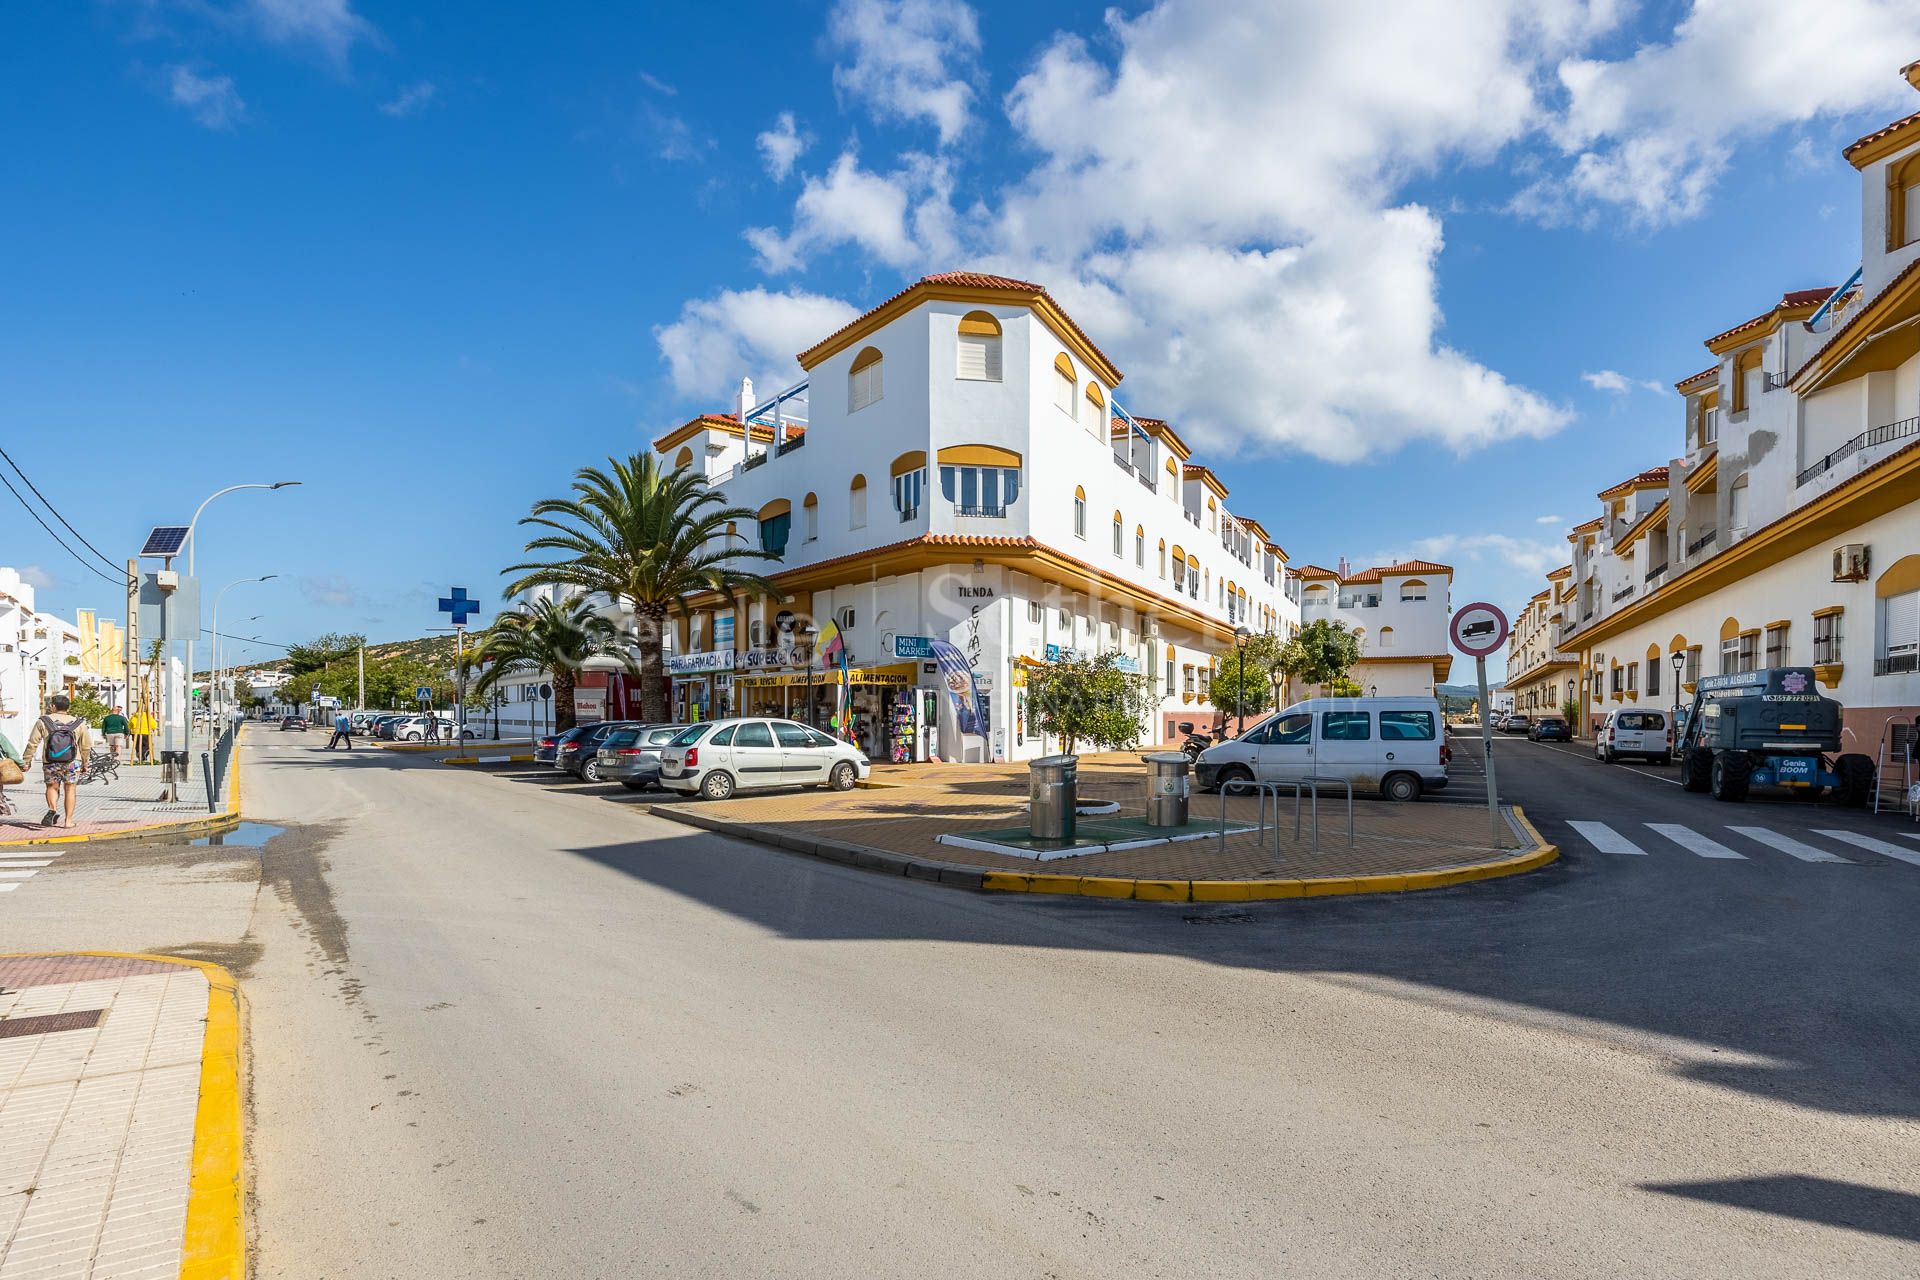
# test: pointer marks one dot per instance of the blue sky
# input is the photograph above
(429, 258)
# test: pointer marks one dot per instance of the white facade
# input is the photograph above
(1786, 531)
(964, 474)
(39, 657)
(1542, 675)
(1399, 613)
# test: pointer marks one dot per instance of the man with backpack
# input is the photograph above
(64, 744)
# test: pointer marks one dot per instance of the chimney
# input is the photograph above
(1345, 568)
(745, 406)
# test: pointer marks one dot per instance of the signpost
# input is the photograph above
(457, 605)
(1478, 630)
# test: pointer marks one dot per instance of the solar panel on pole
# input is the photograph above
(165, 540)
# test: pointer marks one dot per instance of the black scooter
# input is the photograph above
(1197, 741)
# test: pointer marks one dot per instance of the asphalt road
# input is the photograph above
(507, 1028)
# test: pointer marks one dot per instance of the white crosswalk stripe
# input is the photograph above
(1693, 842)
(1899, 852)
(16, 871)
(1787, 844)
(1605, 838)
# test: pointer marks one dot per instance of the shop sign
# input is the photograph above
(913, 646)
(723, 632)
(1063, 653)
(681, 664)
(765, 659)
(1129, 665)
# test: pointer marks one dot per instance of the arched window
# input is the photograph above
(1413, 589)
(1360, 636)
(979, 479)
(1386, 637)
(683, 459)
(1730, 646)
(1119, 536)
(1066, 384)
(1096, 410)
(864, 382)
(1173, 479)
(810, 517)
(1079, 512)
(857, 503)
(1746, 372)
(909, 482)
(1163, 557)
(1903, 203)
(776, 520)
(1213, 516)
(977, 358)
(1737, 509)
(1897, 601)
(1140, 546)
(1193, 576)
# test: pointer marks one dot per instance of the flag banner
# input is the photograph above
(957, 675)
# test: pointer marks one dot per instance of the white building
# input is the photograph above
(1786, 532)
(1399, 612)
(957, 468)
(40, 655)
(1542, 675)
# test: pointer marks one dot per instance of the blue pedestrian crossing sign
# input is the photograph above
(457, 605)
(422, 693)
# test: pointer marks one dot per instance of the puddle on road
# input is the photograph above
(248, 835)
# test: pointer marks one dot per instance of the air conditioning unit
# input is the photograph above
(1851, 562)
(845, 618)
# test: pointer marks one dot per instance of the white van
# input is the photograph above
(1646, 732)
(1396, 746)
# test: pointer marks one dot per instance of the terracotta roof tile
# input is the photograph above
(1882, 132)
(1651, 476)
(1312, 571)
(1859, 314)
(1788, 302)
(1695, 377)
(980, 280)
(1418, 566)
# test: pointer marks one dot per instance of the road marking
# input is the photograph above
(1787, 844)
(17, 875)
(1693, 842)
(14, 864)
(6, 887)
(1898, 852)
(1592, 759)
(1605, 838)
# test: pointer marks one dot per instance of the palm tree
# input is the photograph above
(646, 537)
(544, 636)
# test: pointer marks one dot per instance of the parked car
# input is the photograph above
(292, 722)
(578, 751)
(1392, 745)
(718, 758)
(1550, 728)
(362, 721)
(383, 727)
(631, 756)
(1635, 732)
(544, 747)
(1516, 723)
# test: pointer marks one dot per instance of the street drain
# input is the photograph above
(1222, 917)
(47, 1023)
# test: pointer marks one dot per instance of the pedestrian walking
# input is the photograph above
(114, 726)
(142, 724)
(13, 770)
(63, 741)
(342, 731)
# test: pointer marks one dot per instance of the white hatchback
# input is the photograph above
(1635, 731)
(720, 757)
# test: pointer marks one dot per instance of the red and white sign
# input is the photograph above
(1478, 629)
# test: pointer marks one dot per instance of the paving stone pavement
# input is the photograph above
(97, 1121)
(132, 799)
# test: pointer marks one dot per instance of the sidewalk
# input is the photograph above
(129, 803)
(910, 821)
(120, 1119)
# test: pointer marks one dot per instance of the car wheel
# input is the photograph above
(590, 771)
(717, 785)
(844, 776)
(1400, 787)
(1663, 761)
(632, 784)
(1232, 773)
(1856, 780)
(1696, 769)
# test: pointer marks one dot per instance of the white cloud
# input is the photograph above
(781, 146)
(1548, 519)
(1527, 558)
(1619, 384)
(658, 85)
(329, 25)
(911, 59)
(1653, 132)
(717, 340)
(413, 99)
(331, 591)
(40, 579)
(897, 218)
(211, 100)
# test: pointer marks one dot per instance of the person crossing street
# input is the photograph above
(342, 731)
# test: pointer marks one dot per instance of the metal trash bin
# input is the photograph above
(1168, 788)
(1053, 794)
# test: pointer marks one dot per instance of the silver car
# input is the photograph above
(631, 756)
(716, 759)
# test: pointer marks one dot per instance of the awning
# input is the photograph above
(897, 674)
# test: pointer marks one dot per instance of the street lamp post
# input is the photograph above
(805, 635)
(166, 728)
(213, 681)
(1240, 637)
(1679, 661)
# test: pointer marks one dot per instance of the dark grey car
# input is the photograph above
(578, 752)
(630, 756)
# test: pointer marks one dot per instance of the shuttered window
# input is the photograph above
(1899, 633)
(864, 384)
(1066, 385)
(978, 355)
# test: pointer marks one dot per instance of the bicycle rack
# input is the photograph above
(1272, 789)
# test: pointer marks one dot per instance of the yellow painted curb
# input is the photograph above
(214, 1246)
(212, 824)
(1263, 890)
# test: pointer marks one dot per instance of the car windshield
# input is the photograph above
(622, 738)
(690, 735)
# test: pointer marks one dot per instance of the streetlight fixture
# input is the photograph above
(805, 634)
(213, 683)
(1240, 637)
(1679, 661)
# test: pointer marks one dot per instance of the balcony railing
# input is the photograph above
(982, 512)
(791, 443)
(1865, 440)
(908, 514)
(1896, 664)
(1623, 593)
(1147, 481)
(1656, 571)
(1773, 381)
(1704, 540)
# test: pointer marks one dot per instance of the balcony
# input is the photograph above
(1773, 382)
(1623, 593)
(1865, 440)
(1147, 481)
(1700, 543)
(791, 443)
(909, 514)
(1895, 664)
(982, 512)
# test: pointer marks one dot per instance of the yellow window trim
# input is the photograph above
(1831, 611)
(979, 324)
(978, 455)
(778, 507)
(869, 356)
(909, 462)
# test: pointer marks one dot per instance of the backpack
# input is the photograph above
(60, 743)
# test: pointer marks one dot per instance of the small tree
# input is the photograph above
(1322, 653)
(1244, 683)
(1570, 709)
(1089, 700)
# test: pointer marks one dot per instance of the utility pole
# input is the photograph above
(360, 697)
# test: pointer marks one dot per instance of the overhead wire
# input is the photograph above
(56, 514)
(120, 581)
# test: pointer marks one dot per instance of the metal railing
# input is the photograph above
(982, 512)
(1271, 790)
(788, 445)
(909, 513)
(1865, 440)
(1896, 664)
(1704, 540)
(1147, 480)
(1656, 571)
(1773, 382)
(214, 765)
(1623, 593)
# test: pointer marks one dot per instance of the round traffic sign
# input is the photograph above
(1478, 629)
